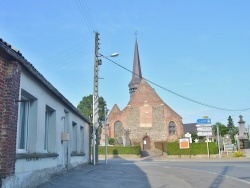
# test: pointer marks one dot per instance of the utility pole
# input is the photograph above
(97, 62)
(218, 140)
(106, 139)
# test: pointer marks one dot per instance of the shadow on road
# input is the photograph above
(219, 179)
(117, 173)
(150, 155)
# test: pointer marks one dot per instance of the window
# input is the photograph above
(27, 123)
(74, 137)
(82, 139)
(23, 123)
(118, 129)
(49, 129)
(46, 136)
(172, 128)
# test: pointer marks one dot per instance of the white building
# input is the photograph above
(42, 133)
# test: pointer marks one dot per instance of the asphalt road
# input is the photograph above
(151, 173)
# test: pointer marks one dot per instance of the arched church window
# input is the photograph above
(172, 128)
(118, 129)
(118, 133)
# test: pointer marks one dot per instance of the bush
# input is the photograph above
(172, 148)
(238, 154)
(111, 141)
(120, 150)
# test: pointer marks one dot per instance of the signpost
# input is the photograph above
(204, 128)
(203, 125)
(184, 144)
(204, 133)
(204, 121)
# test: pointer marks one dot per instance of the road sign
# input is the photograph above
(184, 143)
(204, 133)
(203, 125)
(204, 121)
(201, 129)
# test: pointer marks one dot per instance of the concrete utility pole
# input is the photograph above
(97, 62)
(218, 139)
(106, 136)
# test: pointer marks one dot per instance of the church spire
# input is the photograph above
(136, 76)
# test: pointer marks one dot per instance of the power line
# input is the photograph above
(179, 95)
(88, 14)
(85, 16)
(59, 59)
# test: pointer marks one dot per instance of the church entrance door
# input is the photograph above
(146, 143)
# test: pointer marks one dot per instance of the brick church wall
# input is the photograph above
(9, 92)
(133, 123)
(146, 115)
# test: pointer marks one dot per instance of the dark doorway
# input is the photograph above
(146, 143)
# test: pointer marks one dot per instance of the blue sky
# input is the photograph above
(198, 49)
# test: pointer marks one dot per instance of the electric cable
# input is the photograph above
(170, 91)
(85, 17)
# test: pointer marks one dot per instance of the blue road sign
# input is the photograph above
(204, 121)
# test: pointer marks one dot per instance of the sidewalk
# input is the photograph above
(158, 155)
(101, 175)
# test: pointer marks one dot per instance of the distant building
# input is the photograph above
(41, 132)
(190, 128)
(147, 118)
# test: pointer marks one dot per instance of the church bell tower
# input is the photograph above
(136, 76)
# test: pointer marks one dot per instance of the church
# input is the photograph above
(146, 118)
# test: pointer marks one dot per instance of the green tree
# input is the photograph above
(230, 123)
(232, 130)
(223, 129)
(85, 106)
(111, 141)
(194, 136)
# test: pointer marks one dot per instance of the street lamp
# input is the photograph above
(114, 55)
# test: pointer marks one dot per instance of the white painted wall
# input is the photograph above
(64, 116)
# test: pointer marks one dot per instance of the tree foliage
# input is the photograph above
(85, 106)
(230, 123)
(194, 136)
(223, 129)
(232, 130)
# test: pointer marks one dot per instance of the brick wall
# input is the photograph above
(146, 115)
(9, 92)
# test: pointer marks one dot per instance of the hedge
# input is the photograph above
(120, 150)
(172, 148)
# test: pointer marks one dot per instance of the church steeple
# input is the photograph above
(136, 76)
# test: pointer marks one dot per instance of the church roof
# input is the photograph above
(114, 112)
(115, 109)
(145, 94)
(190, 127)
(137, 76)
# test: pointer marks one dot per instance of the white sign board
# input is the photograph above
(203, 125)
(188, 135)
(201, 129)
(204, 133)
